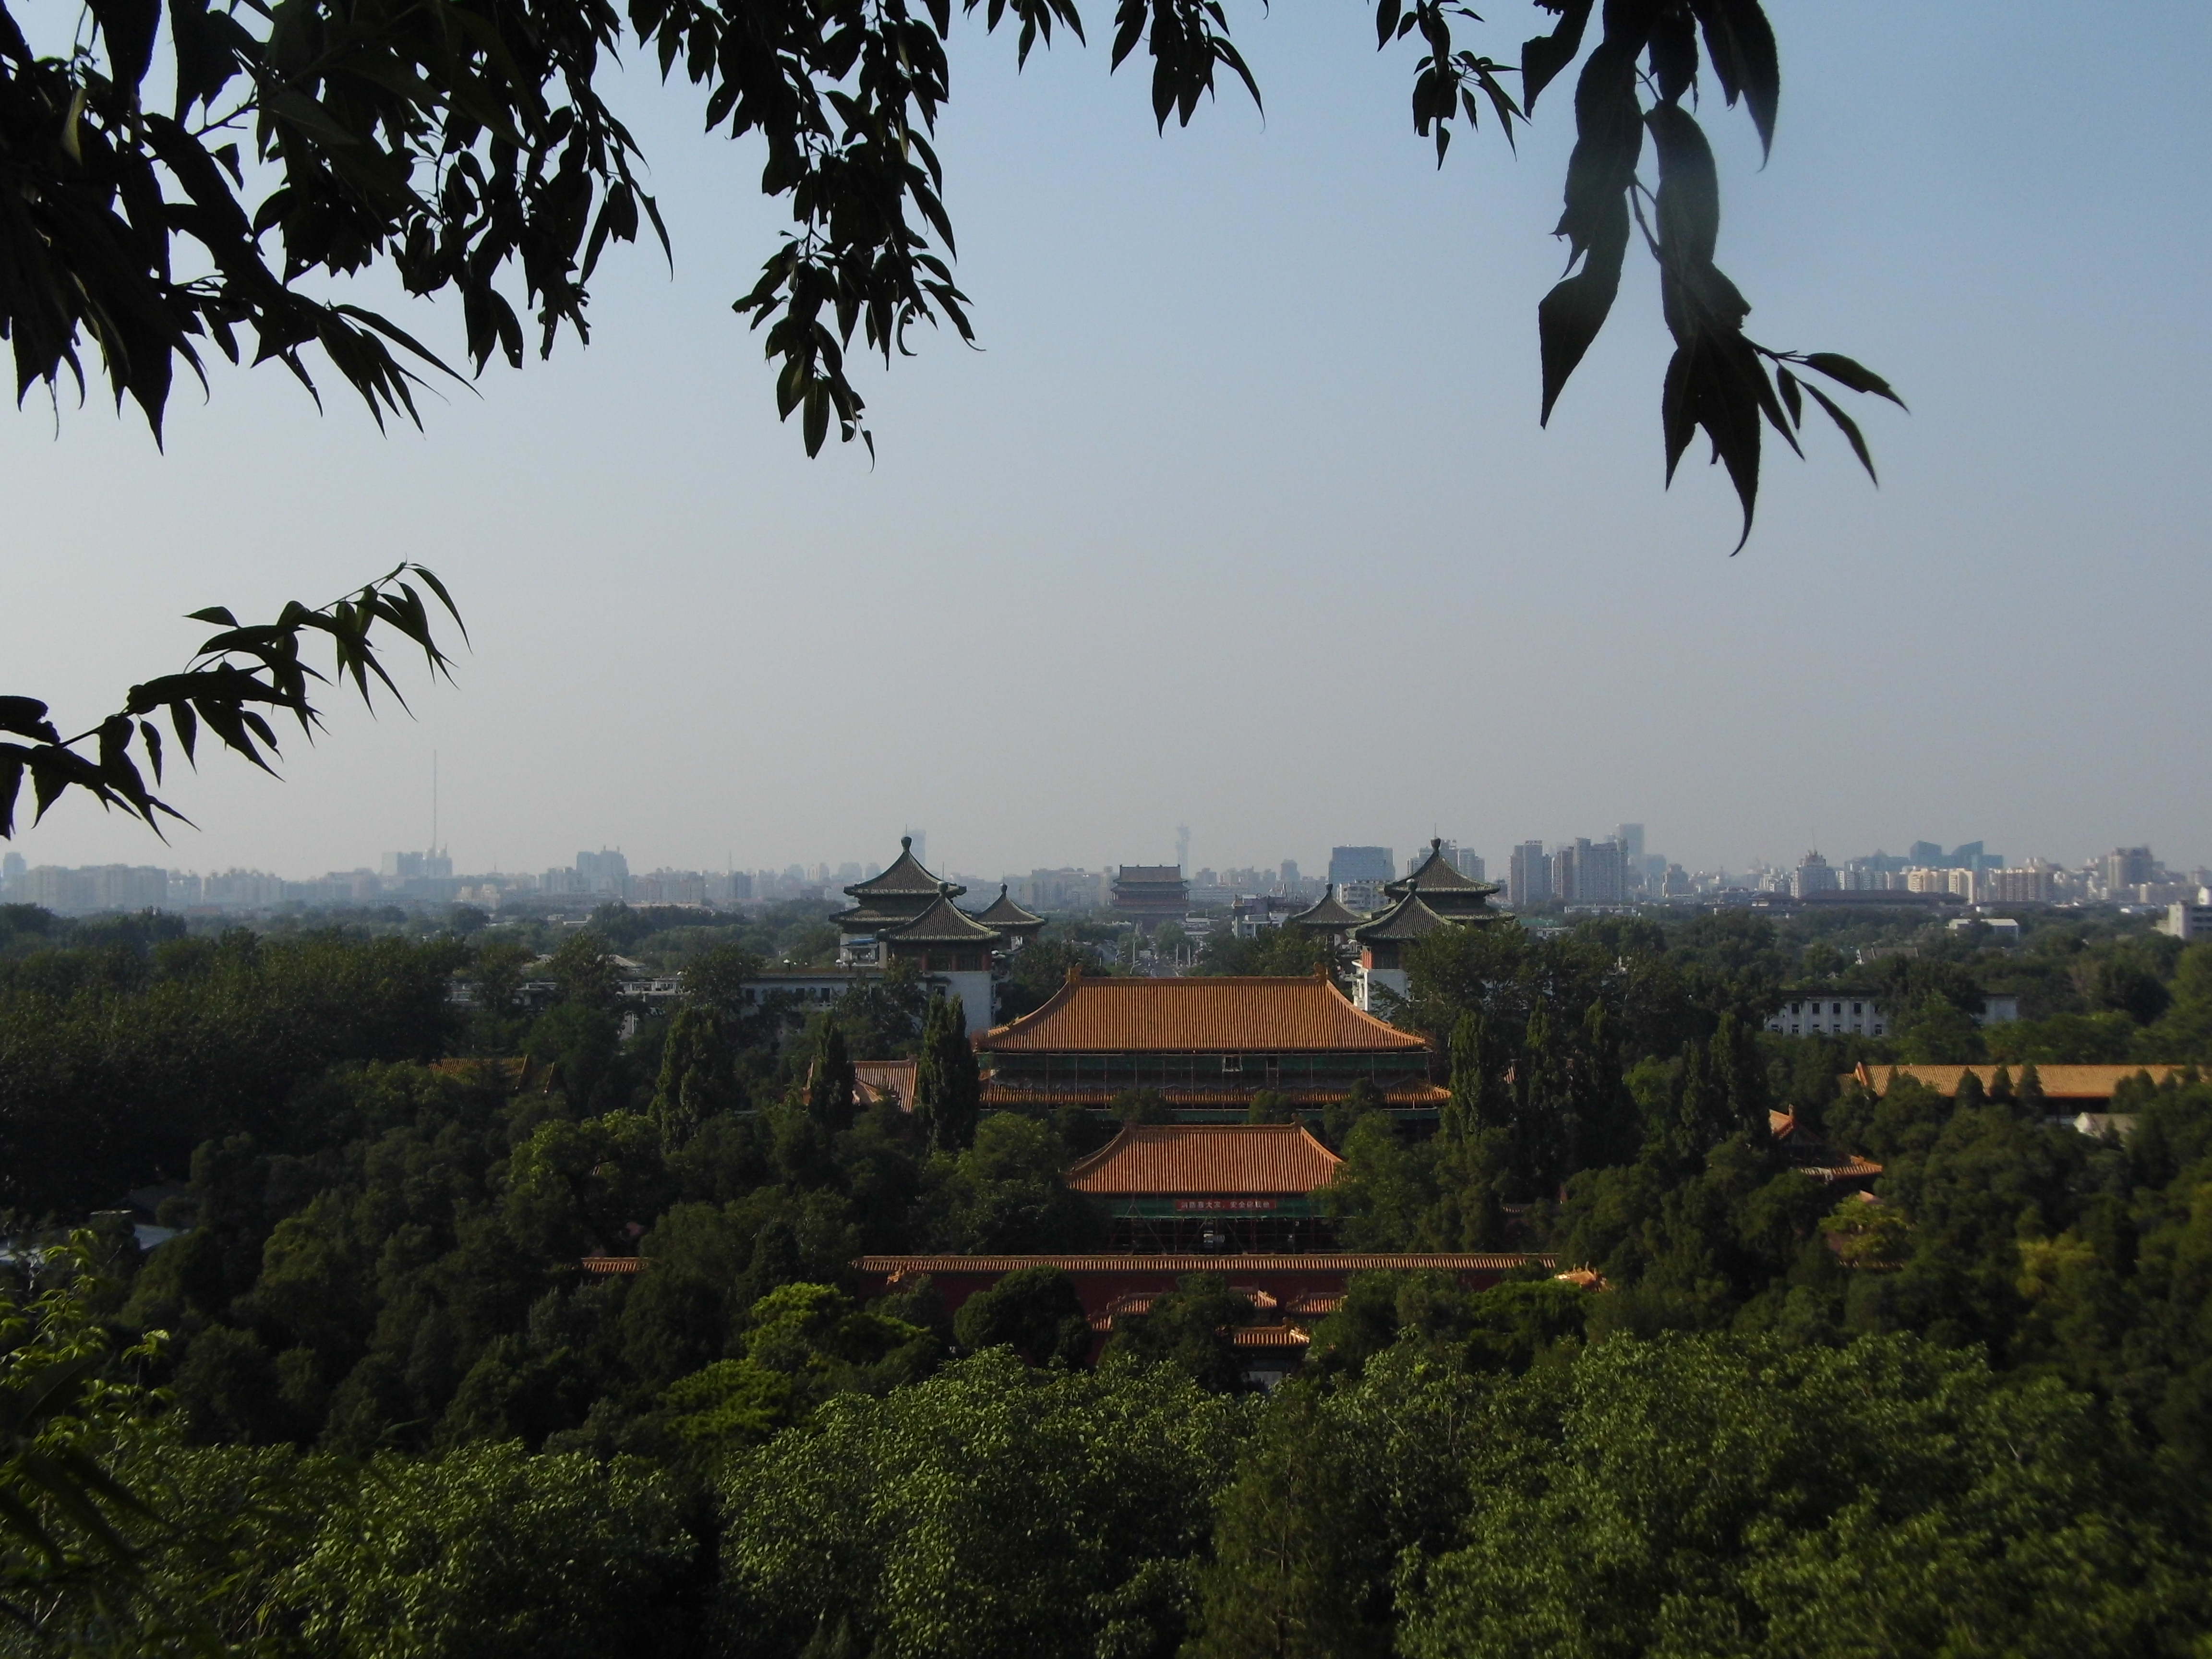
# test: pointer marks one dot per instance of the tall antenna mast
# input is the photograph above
(432, 847)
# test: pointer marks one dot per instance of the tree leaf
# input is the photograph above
(1839, 368)
(1568, 317)
(1740, 41)
(1543, 57)
(130, 26)
(1851, 429)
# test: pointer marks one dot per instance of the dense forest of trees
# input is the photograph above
(366, 1401)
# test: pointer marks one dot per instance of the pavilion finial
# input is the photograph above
(906, 843)
(1436, 843)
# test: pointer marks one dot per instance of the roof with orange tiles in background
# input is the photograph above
(1206, 1158)
(886, 1080)
(2059, 1082)
(1210, 1014)
(1005, 1096)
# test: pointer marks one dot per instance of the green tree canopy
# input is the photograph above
(991, 1510)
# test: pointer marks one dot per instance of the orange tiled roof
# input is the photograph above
(613, 1264)
(1199, 1096)
(1200, 1015)
(1853, 1168)
(1268, 1336)
(892, 1078)
(2059, 1082)
(1206, 1158)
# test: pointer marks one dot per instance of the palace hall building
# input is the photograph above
(1207, 1044)
(1252, 1188)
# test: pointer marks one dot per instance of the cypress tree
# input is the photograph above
(1535, 1128)
(947, 1087)
(830, 1082)
(1743, 1080)
(2030, 1101)
(1463, 1113)
(695, 1081)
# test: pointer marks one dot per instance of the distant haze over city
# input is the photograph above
(1621, 869)
(1241, 518)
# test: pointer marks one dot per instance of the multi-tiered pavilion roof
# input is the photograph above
(884, 903)
(1445, 889)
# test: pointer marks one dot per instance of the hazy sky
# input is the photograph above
(1242, 517)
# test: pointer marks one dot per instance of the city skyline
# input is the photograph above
(1615, 870)
(1210, 532)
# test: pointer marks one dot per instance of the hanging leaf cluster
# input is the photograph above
(241, 677)
(466, 145)
(1639, 81)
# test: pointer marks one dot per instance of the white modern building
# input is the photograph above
(2188, 920)
(1842, 1014)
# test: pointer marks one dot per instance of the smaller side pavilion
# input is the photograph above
(1332, 920)
(1251, 1187)
(950, 947)
(1382, 944)
(1018, 925)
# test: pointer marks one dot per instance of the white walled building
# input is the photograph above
(1838, 1013)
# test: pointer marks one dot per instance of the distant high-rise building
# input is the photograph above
(2128, 866)
(2036, 883)
(1630, 839)
(921, 846)
(1926, 854)
(1464, 859)
(1289, 875)
(602, 873)
(1589, 872)
(1368, 864)
(1814, 874)
(1528, 875)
